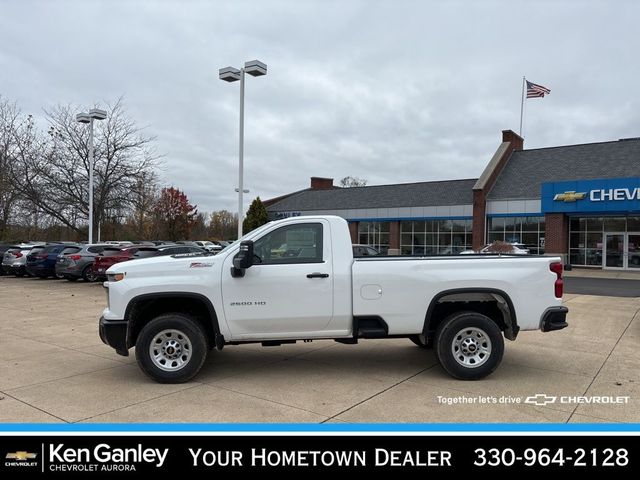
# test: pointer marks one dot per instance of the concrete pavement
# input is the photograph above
(55, 369)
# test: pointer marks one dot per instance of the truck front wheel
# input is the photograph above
(469, 345)
(171, 348)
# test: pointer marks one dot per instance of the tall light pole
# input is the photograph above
(230, 74)
(94, 114)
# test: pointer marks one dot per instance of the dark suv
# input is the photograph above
(43, 263)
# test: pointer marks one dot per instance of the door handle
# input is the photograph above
(317, 275)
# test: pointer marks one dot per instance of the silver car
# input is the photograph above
(76, 261)
(14, 260)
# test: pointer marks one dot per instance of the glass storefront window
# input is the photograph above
(435, 237)
(594, 224)
(594, 240)
(615, 224)
(577, 239)
(526, 230)
(586, 236)
(633, 224)
(374, 234)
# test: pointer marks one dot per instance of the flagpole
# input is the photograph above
(522, 105)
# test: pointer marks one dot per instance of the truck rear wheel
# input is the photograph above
(469, 345)
(171, 348)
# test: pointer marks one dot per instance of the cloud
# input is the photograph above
(392, 92)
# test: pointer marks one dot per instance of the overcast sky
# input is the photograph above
(390, 91)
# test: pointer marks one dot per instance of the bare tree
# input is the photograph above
(350, 181)
(223, 225)
(143, 198)
(9, 122)
(53, 169)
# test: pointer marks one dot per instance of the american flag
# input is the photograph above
(535, 90)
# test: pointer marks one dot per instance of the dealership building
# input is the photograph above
(578, 201)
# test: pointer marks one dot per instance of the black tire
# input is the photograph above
(88, 275)
(481, 332)
(420, 341)
(195, 338)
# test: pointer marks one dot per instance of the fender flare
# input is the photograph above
(213, 317)
(512, 327)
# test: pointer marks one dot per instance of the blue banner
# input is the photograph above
(604, 195)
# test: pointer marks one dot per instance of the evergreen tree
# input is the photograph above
(256, 216)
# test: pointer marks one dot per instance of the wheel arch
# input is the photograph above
(460, 298)
(144, 308)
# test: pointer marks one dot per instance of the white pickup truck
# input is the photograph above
(297, 279)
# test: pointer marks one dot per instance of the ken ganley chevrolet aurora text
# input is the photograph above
(103, 457)
(297, 279)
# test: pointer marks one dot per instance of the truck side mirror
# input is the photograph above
(243, 259)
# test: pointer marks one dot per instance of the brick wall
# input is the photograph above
(556, 233)
(320, 183)
(353, 231)
(516, 142)
(394, 235)
(479, 211)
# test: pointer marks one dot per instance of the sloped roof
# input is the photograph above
(448, 192)
(527, 169)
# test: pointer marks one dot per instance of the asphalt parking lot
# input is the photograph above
(55, 369)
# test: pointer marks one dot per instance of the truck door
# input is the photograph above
(288, 289)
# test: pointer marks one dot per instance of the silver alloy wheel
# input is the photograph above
(471, 347)
(170, 350)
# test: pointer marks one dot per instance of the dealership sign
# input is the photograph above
(591, 196)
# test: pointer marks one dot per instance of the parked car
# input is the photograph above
(364, 251)
(42, 262)
(175, 310)
(76, 261)
(500, 247)
(14, 259)
(213, 247)
(3, 248)
(110, 256)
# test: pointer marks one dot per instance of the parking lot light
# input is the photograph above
(254, 68)
(94, 114)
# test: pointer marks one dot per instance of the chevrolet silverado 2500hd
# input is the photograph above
(296, 279)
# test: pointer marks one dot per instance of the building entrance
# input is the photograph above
(621, 250)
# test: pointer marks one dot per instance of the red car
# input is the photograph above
(111, 256)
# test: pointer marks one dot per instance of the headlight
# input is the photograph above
(115, 277)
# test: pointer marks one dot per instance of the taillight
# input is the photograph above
(556, 268)
(42, 255)
(75, 257)
(17, 254)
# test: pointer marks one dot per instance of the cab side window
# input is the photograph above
(301, 243)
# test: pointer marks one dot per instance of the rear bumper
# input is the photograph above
(14, 269)
(69, 270)
(554, 318)
(114, 334)
(41, 271)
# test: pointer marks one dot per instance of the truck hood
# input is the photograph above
(164, 265)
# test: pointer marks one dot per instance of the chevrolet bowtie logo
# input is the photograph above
(22, 456)
(570, 196)
(540, 399)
